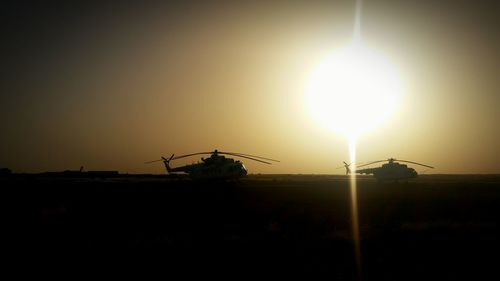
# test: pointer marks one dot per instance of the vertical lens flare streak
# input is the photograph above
(353, 90)
(356, 37)
(354, 207)
(352, 155)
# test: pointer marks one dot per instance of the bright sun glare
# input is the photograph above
(353, 90)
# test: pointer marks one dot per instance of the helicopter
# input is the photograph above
(388, 171)
(215, 167)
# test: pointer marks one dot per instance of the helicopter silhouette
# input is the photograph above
(389, 171)
(215, 167)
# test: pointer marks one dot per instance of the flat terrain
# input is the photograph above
(437, 227)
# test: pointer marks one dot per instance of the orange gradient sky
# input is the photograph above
(109, 88)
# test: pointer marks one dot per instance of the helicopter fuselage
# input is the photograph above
(215, 167)
(392, 171)
(218, 167)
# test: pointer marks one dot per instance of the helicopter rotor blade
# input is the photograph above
(162, 159)
(344, 166)
(167, 160)
(258, 160)
(228, 153)
(396, 160)
(248, 155)
(187, 155)
(371, 163)
(353, 164)
(415, 163)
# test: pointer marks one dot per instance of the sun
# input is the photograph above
(353, 90)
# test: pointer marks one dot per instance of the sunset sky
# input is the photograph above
(109, 85)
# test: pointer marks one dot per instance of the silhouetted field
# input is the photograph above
(437, 227)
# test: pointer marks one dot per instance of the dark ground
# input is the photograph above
(437, 227)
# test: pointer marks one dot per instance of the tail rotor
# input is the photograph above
(347, 169)
(167, 163)
(346, 166)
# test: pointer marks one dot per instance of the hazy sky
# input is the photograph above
(109, 85)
